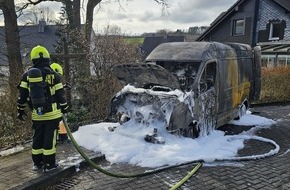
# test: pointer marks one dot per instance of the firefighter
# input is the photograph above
(62, 134)
(45, 118)
(57, 68)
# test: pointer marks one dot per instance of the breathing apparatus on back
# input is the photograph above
(37, 85)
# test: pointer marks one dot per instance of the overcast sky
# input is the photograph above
(139, 16)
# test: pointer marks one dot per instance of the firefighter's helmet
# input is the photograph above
(57, 68)
(39, 52)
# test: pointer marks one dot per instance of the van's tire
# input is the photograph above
(191, 131)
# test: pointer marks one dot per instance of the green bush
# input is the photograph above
(75, 116)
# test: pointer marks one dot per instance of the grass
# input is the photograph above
(134, 40)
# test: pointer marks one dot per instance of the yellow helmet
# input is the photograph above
(39, 51)
(57, 68)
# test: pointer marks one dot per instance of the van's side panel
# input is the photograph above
(244, 57)
(236, 81)
(228, 87)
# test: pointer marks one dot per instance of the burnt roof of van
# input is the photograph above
(185, 51)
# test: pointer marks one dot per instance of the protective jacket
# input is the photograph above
(56, 102)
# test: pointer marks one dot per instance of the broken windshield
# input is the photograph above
(185, 72)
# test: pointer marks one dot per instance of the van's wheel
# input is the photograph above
(191, 131)
(196, 131)
(242, 111)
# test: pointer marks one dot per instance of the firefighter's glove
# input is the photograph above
(20, 114)
(64, 109)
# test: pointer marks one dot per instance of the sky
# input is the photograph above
(141, 16)
(135, 17)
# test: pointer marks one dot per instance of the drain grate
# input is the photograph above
(67, 184)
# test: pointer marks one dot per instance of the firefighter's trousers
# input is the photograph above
(44, 142)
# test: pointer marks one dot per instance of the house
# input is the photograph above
(30, 36)
(256, 22)
(151, 42)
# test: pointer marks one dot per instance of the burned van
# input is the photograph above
(193, 87)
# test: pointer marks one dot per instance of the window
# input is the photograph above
(274, 31)
(268, 60)
(208, 77)
(238, 27)
(283, 60)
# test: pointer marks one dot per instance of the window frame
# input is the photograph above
(235, 26)
(271, 37)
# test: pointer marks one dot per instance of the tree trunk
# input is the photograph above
(12, 42)
(90, 18)
(89, 28)
(76, 13)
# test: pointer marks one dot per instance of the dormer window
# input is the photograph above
(238, 27)
(274, 31)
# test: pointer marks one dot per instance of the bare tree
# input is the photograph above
(10, 127)
(164, 31)
(110, 48)
(107, 50)
(35, 14)
(12, 41)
